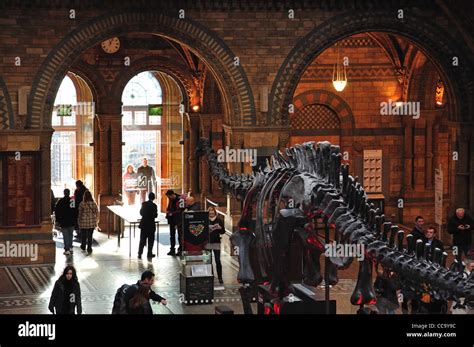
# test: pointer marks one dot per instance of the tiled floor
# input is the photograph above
(101, 273)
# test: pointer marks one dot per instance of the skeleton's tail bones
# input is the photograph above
(343, 200)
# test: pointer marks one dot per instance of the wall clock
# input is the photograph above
(111, 45)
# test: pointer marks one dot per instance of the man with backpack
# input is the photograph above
(126, 292)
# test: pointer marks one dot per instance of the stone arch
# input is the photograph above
(206, 44)
(330, 100)
(177, 71)
(93, 80)
(6, 109)
(433, 41)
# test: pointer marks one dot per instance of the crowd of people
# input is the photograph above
(129, 299)
(392, 295)
(81, 214)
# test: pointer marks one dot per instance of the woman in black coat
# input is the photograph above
(66, 294)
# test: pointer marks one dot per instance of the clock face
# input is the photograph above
(111, 45)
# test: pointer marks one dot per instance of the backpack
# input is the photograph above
(120, 301)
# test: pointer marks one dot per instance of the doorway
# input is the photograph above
(72, 121)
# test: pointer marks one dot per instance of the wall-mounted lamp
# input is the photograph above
(439, 93)
(196, 108)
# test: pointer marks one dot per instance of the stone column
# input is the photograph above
(408, 155)
(110, 164)
(192, 159)
(186, 153)
(45, 153)
(235, 208)
(205, 177)
(464, 174)
(470, 188)
(116, 154)
(429, 154)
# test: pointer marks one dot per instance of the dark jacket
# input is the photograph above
(435, 244)
(460, 237)
(78, 197)
(149, 212)
(53, 202)
(134, 288)
(418, 235)
(65, 214)
(216, 229)
(58, 297)
(173, 211)
(386, 287)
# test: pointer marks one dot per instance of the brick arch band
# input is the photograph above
(6, 109)
(215, 53)
(433, 41)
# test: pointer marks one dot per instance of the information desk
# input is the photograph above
(131, 216)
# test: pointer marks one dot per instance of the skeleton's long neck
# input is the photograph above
(237, 185)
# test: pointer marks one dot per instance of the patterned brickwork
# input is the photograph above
(315, 117)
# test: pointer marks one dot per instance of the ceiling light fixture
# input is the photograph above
(339, 76)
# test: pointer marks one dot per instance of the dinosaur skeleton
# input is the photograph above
(282, 201)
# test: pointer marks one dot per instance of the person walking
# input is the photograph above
(146, 179)
(178, 219)
(88, 220)
(65, 216)
(66, 295)
(78, 197)
(149, 212)
(130, 184)
(216, 229)
(460, 226)
(172, 211)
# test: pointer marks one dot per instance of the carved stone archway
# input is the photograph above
(207, 45)
(432, 40)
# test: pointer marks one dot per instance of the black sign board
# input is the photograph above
(195, 229)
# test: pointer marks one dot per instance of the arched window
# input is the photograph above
(71, 155)
(65, 99)
(141, 124)
(140, 92)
